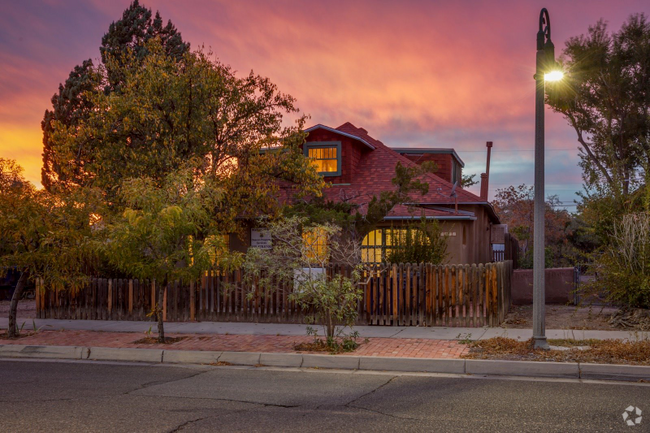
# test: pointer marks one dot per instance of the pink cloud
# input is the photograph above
(451, 74)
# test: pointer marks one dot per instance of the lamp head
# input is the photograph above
(546, 62)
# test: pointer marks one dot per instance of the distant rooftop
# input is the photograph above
(423, 150)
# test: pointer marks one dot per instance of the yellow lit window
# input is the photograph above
(326, 159)
(371, 247)
(380, 243)
(315, 244)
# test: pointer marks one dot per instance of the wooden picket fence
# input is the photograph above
(429, 295)
(405, 294)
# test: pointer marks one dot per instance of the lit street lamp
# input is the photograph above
(546, 70)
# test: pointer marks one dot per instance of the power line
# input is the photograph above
(515, 150)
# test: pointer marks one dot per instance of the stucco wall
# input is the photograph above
(558, 281)
(456, 251)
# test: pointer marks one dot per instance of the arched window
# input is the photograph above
(379, 243)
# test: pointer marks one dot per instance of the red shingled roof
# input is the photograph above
(376, 170)
(374, 174)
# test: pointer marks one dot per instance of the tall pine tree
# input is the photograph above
(70, 105)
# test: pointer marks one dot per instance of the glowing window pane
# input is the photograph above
(315, 245)
(325, 159)
(371, 247)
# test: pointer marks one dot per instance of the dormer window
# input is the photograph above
(326, 156)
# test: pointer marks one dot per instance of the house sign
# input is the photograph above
(261, 238)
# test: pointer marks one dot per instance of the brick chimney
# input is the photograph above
(485, 177)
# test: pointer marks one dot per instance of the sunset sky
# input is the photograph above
(413, 73)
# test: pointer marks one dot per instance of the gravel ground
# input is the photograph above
(562, 317)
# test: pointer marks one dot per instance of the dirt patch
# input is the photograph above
(585, 351)
(314, 346)
(154, 340)
(562, 317)
(5, 336)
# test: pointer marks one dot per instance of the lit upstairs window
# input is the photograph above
(326, 157)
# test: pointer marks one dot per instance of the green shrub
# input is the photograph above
(421, 243)
(622, 269)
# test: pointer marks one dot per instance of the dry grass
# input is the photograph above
(314, 346)
(598, 351)
(571, 342)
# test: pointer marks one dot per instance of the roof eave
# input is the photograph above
(446, 151)
(345, 134)
(490, 209)
(431, 217)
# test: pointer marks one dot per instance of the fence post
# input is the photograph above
(130, 296)
(495, 295)
(192, 302)
(488, 294)
(37, 296)
(395, 289)
(110, 297)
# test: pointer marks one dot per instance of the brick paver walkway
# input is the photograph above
(385, 347)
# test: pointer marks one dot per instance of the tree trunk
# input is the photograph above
(12, 329)
(159, 313)
(330, 326)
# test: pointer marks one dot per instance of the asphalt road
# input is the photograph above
(38, 396)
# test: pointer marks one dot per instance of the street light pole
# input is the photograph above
(545, 64)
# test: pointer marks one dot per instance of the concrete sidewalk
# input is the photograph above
(472, 367)
(244, 328)
(405, 349)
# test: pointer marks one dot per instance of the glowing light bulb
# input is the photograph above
(554, 76)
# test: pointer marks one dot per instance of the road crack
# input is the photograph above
(351, 405)
(162, 382)
(230, 400)
(370, 392)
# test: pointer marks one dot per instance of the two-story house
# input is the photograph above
(358, 167)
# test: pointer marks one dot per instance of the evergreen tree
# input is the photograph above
(132, 33)
(71, 104)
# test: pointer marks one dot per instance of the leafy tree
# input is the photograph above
(168, 113)
(44, 236)
(606, 98)
(468, 180)
(166, 232)
(418, 244)
(72, 104)
(515, 207)
(299, 255)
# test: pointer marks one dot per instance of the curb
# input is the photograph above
(477, 367)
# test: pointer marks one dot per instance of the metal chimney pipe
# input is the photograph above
(485, 177)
